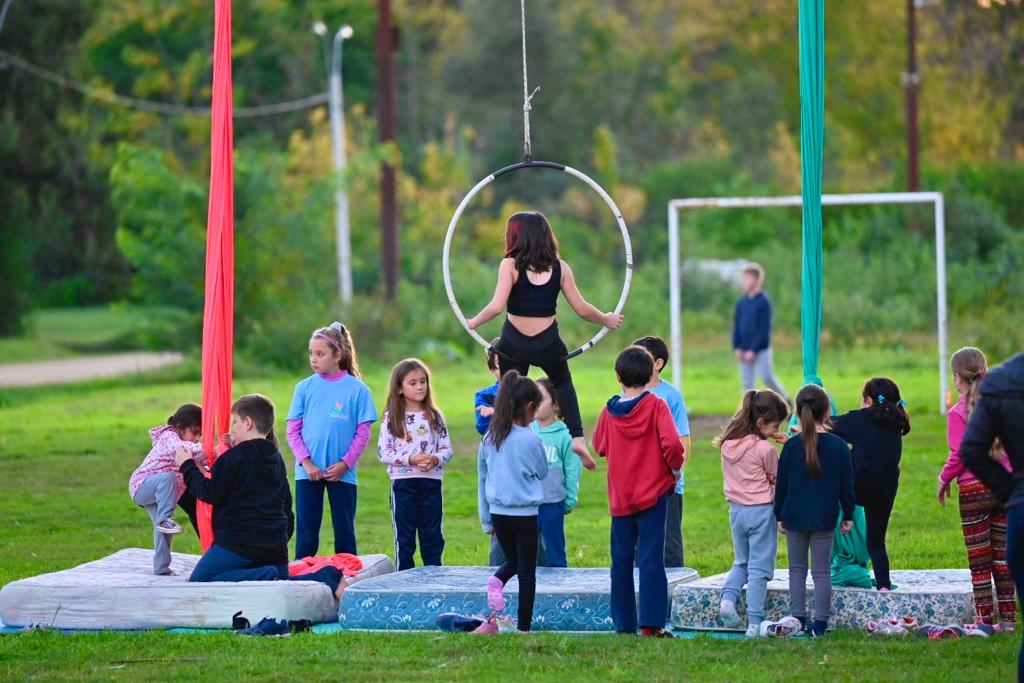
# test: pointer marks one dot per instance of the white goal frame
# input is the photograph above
(674, 271)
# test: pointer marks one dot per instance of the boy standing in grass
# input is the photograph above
(752, 332)
(673, 398)
(636, 434)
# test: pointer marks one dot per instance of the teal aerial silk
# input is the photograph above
(812, 143)
(850, 554)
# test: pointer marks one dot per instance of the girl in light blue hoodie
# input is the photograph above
(562, 485)
(512, 466)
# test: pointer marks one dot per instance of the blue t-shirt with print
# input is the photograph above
(677, 407)
(330, 413)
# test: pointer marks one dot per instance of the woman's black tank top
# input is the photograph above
(535, 301)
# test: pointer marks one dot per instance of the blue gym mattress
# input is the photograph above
(567, 599)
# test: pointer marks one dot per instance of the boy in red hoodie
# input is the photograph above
(638, 437)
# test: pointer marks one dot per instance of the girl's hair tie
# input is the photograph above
(881, 399)
(337, 327)
(901, 403)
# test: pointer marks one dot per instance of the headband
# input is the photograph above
(337, 327)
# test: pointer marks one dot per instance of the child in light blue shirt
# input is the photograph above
(677, 407)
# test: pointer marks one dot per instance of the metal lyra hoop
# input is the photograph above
(446, 259)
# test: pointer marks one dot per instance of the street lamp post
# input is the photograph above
(341, 222)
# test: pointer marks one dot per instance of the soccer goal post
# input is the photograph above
(674, 270)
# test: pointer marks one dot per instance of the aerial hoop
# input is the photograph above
(446, 260)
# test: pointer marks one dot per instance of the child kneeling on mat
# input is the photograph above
(156, 485)
(635, 432)
(252, 503)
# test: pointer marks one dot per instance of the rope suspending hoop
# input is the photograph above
(527, 163)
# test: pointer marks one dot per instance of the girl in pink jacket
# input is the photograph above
(982, 515)
(749, 467)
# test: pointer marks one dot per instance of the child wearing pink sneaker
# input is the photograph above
(512, 465)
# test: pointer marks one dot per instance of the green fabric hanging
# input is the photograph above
(812, 143)
(850, 554)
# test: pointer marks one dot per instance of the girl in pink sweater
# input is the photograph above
(982, 515)
(749, 466)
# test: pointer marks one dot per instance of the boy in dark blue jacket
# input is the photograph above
(752, 332)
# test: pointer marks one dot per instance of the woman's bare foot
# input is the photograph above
(579, 447)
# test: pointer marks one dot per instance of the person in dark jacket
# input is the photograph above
(752, 332)
(815, 483)
(876, 432)
(252, 503)
(999, 414)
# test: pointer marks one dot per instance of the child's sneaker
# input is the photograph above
(458, 623)
(268, 627)
(167, 526)
(783, 628)
(507, 624)
(488, 627)
(979, 630)
(752, 631)
(648, 632)
(495, 597)
(818, 628)
(728, 614)
(886, 628)
(936, 632)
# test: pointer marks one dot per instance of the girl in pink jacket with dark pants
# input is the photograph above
(983, 516)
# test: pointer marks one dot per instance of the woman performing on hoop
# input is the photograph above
(529, 279)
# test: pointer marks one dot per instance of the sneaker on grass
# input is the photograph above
(167, 526)
(268, 627)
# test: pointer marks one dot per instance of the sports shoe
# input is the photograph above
(167, 526)
(979, 630)
(937, 632)
(752, 632)
(647, 632)
(300, 625)
(818, 628)
(783, 628)
(1006, 627)
(486, 628)
(277, 628)
(507, 624)
(458, 623)
(727, 613)
(886, 628)
(495, 597)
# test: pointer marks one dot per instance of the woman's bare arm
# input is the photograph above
(581, 306)
(506, 278)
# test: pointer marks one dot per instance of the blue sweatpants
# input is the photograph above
(309, 514)
(551, 518)
(642, 535)
(221, 564)
(416, 506)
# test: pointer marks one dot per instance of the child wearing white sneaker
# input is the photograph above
(749, 467)
(156, 485)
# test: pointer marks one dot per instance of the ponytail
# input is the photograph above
(757, 405)
(338, 337)
(886, 404)
(812, 407)
(515, 396)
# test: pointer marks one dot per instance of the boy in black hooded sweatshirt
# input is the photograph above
(252, 503)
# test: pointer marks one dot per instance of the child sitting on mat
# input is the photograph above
(636, 434)
(511, 467)
(156, 485)
(252, 503)
(529, 279)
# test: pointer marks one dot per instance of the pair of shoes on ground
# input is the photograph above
(786, 627)
(892, 627)
(269, 627)
(167, 526)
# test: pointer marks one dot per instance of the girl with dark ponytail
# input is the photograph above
(512, 465)
(876, 431)
(815, 481)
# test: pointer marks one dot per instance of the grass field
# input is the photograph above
(66, 454)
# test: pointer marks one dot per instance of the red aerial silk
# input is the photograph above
(219, 310)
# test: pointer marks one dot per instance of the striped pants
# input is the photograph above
(984, 526)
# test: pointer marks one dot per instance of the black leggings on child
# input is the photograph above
(518, 539)
(877, 510)
(547, 351)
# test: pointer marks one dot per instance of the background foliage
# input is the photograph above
(654, 98)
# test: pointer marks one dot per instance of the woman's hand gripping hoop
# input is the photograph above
(446, 258)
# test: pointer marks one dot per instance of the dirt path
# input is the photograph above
(82, 369)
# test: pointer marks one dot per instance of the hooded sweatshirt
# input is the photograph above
(640, 441)
(509, 478)
(562, 484)
(252, 504)
(749, 467)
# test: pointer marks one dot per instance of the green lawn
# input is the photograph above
(66, 453)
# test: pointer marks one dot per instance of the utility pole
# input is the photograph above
(386, 46)
(911, 85)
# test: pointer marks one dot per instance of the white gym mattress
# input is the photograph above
(121, 592)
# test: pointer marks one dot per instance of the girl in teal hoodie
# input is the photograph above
(562, 485)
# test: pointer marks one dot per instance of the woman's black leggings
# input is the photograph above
(547, 351)
(518, 539)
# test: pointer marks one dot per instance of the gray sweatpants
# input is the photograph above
(157, 495)
(761, 367)
(820, 545)
(754, 541)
